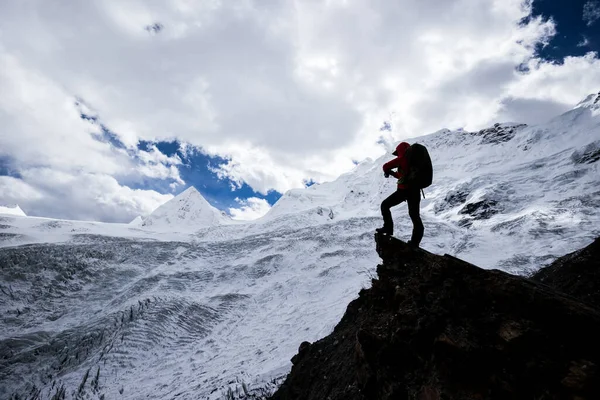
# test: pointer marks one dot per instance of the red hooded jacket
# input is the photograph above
(399, 162)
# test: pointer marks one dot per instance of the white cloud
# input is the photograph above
(549, 82)
(584, 42)
(84, 196)
(13, 190)
(591, 12)
(64, 171)
(40, 125)
(155, 164)
(289, 90)
(257, 167)
(251, 208)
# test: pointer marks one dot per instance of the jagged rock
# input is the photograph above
(588, 155)
(577, 274)
(483, 209)
(452, 199)
(499, 133)
(322, 211)
(436, 327)
(465, 223)
(302, 350)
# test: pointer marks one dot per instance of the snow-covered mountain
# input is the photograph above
(188, 304)
(592, 102)
(137, 221)
(12, 209)
(505, 187)
(187, 211)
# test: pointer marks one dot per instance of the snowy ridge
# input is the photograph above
(12, 209)
(188, 304)
(137, 221)
(592, 101)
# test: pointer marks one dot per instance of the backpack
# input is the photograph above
(420, 169)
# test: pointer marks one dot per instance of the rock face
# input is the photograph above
(499, 133)
(483, 209)
(588, 155)
(436, 327)
(577, 274)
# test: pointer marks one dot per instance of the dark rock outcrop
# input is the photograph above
(577, 274)
(483, 209)
(588, 155)
(453, 198)
(436, 327)
(499, 133)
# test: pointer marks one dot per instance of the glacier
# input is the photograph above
(186, 303)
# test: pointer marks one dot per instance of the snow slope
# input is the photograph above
(12, 209)
(192, 304)
(137, 221)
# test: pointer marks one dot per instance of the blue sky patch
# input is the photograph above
(196, 171)
(106, 134)
(577, 33)
(387, 126)
(309, 182)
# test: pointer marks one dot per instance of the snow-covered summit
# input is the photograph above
(137, 221)
(592, 101)
(12, 209)
(188, 210)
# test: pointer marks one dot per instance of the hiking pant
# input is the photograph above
(413, 199)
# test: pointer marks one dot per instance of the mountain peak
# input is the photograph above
(12, 209)
(137, 221)
(189, 210)
(190, 191)
(591, 101)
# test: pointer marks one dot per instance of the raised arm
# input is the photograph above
(388, 166)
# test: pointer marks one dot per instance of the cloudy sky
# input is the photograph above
(109, 108)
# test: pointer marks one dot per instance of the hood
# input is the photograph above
(401, 149)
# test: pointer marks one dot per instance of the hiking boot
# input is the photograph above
(384, 231)
(412, 245)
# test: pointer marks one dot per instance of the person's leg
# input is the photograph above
(414, 202)
(393, 200)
